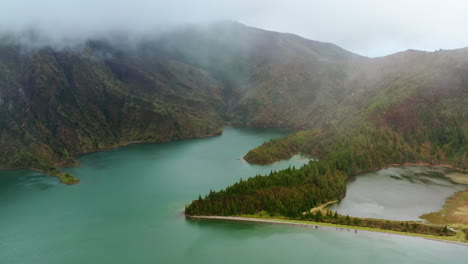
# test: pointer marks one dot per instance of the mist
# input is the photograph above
(367, 27)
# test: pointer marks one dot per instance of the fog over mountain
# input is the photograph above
(367, 27)
(331, 89)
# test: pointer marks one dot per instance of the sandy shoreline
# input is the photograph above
(316, 225)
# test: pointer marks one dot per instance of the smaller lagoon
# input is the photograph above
(398, 193)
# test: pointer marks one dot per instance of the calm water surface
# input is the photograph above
(125, 210)
(398, 193)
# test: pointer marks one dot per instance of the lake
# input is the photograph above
(126, 210)
(397, 193)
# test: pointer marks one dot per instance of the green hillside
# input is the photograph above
(56, 103)
(409, 107)
(352, 112)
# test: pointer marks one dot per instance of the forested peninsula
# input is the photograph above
(401, 110)
(338, 155)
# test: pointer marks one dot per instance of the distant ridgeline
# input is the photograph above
(352, 113)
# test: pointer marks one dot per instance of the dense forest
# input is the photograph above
(393, 110)
(341, 153)
(288, 192)
(56, 103)
(369, 147)
(105, 92)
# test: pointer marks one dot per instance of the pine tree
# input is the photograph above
(318, 216)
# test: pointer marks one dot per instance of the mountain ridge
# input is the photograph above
(190, 82)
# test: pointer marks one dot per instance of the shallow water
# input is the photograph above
(397, 193)
(125, 210)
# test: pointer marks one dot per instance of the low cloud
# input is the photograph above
(367, 27)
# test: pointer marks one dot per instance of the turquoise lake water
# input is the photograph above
(126, 210)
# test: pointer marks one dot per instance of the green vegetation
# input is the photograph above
(354, 113)
(288, 192)
(425, 126)
(372, 144)
(264, 217)
(453, 213)
(398, 226)
(186, 83)
(66, 178)
(364, 148)
(55, 105)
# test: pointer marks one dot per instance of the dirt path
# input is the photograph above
(322, 206)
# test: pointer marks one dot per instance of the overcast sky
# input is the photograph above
(367, 27)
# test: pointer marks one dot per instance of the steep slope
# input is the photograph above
(57, 103)
(420, 98)
(409, 107)
(270, 79)
(188, 82)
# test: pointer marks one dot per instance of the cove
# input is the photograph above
(126, 210)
